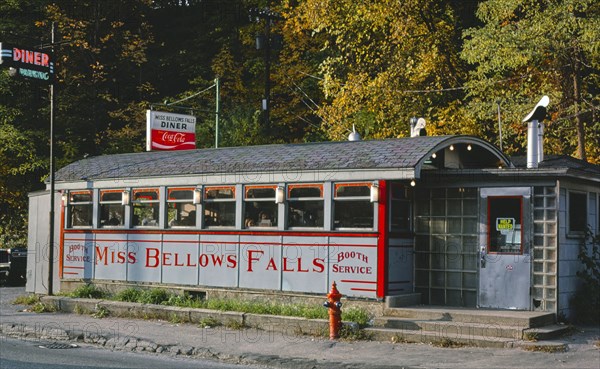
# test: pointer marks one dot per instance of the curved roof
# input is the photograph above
(403, 154)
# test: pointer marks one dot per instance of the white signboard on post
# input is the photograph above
(170, 131)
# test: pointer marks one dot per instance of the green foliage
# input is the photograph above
(266, 308)
(183, 301)
(234, 324)
(354, 333)
(209, 322)
(155, 296)
(101, 312)
(446, 342)
(526, 49)
(80, 310)
(129, 295)
(357, 315)
(175, 319)
(26, 300)
(20, 170)
(89, 291)
(41, 307)
(586, 302)
(378, 55)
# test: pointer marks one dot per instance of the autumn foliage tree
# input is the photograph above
(526, 49)
(384, 62)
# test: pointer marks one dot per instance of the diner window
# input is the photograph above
(305, 205)
(181, 210)
(112, 210)
(577, 213)
(80, 209)
(145, 207)
(219, 206)
(352, 207)
(260, 208)
(400, 209)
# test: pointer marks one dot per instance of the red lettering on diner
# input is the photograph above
(319, 265)
(166, 259)
(177, 264)
(31, 57)
(231, 261)
(251, 258)
(152, 254)
(272, 264)
(351, 269)
(285, 266)
(189, 261)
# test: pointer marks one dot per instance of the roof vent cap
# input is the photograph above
(417, 127)
(354, 136)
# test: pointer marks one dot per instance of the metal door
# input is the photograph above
(504, 244)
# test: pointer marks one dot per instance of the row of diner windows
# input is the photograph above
(352, 206)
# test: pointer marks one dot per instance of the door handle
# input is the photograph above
(482, 258)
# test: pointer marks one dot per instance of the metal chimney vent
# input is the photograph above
(535, 133)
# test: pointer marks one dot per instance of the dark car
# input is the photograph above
(13, 265)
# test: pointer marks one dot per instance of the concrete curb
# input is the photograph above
(140, 344)
(274, 323)
(293, 326)
(237, 320)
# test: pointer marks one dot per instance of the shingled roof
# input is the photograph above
(403, 153)
(561, 164)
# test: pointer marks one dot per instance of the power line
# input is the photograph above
(458, 88)
(315, 104)
(189, 97)
(448, 89)
(316, 112)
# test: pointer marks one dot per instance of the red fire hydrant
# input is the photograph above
(335, 312)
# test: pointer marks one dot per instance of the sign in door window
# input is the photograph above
(504, 225)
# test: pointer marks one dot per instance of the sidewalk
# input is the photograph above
(274, 349)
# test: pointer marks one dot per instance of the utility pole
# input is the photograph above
(217, 112)
(51, 214)
(264, 42)
(499, 124)
(266, 101)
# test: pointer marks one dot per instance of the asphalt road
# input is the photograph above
(23, 354)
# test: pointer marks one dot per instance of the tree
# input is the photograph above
(21, 165)
(23, 126)
(529, 48)
(384, 62)
(101, 80)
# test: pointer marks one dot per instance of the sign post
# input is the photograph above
(51, 235)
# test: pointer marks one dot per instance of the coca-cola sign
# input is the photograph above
(170, 131)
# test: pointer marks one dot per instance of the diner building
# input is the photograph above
(441, 220)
